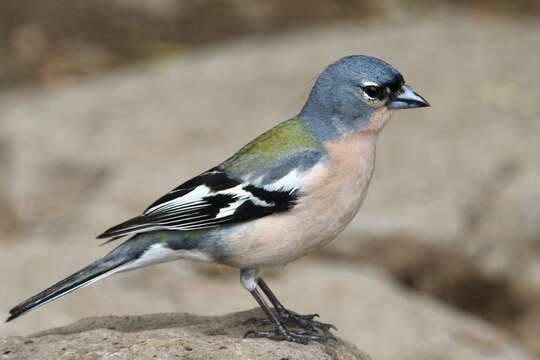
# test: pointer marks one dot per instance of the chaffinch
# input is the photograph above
(287, 193)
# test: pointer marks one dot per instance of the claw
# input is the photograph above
(305, 321)
(308, 316)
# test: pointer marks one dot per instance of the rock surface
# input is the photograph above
(166, 336)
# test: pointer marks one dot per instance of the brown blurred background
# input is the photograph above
(105, 105)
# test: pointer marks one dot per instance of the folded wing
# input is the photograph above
(208, 200)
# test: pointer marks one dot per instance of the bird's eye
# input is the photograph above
(375, 92)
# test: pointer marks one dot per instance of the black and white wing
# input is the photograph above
(208, 200)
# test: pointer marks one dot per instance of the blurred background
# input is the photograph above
(106, 105)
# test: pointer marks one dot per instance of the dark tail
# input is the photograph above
(97, 270)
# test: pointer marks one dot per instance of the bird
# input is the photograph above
(287, 193)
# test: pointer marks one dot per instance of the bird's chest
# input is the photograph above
(338, 188)
(331, 198)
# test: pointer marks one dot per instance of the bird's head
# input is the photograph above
(349, 92)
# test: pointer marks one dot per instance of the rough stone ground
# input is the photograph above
(166, 336)
(458, 181)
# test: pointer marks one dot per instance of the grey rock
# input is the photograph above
(166, 336)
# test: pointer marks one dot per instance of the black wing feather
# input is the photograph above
(169, 212)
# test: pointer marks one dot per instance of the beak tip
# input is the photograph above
(426, 104)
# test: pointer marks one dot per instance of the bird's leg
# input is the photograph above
(249, 280)
(306, 322)
(281, 332)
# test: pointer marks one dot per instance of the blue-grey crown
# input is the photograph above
(354, 68)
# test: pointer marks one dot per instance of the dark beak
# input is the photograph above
(406, 98)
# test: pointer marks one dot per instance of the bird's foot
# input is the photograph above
(305, 322)
(283, 334)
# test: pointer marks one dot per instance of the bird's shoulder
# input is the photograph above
(286, 146)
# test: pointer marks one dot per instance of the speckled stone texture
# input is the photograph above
(166, 336)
